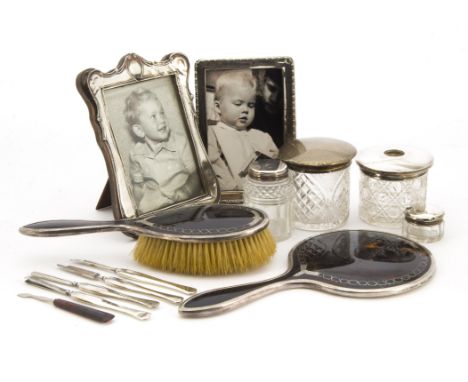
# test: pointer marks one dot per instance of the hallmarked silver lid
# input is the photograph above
(317, 155)
(429, 216)
(268, 169)
(394, 163)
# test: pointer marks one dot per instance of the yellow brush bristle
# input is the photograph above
(210, 258)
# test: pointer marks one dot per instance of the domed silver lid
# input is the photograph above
(316, 155)
(268, 169)
(394, 163)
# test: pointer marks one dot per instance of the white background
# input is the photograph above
(368, 72)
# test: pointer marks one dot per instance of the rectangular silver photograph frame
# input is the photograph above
(280, 126)
(152, 166)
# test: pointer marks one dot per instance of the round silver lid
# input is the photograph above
(268, 169)
(429, 216)
(317, 155)
(394, 163)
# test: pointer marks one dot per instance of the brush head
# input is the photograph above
(219, 257)
(206, 240)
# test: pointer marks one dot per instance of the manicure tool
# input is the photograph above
(78, 309)
(117, 283)
(88, 299)
(137, 276)
(97, 290)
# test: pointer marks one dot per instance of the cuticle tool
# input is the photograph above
(98, 290)
(137, 276)
(117, 283)
(89, 299)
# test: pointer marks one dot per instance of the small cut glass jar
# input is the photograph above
(424, 226)
(320, 171)
(392, 179)
(268, 188)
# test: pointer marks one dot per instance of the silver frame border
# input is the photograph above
(131, 69)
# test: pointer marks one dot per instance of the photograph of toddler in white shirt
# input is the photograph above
(232, 143)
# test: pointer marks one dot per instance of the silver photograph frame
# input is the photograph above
(284, 64)
(132, 69)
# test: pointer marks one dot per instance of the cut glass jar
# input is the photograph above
(392, 179)
(268, 187)
(320, 171)
(423, 226)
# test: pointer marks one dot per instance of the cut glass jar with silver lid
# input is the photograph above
(392, 179)
(424, 226)
(320, 171)
(268, 187)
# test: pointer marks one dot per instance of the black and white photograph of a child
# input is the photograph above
(159, 163)
(245, 120)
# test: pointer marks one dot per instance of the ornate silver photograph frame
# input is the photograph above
(274, 113)
(144, 122)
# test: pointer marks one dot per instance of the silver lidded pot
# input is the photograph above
(392, 179)
(320, 171)
(423, 226)
(268, 187)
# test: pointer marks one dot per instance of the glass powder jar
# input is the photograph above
(320, 171)
(424, 226)
(268, 188)
(392, 179)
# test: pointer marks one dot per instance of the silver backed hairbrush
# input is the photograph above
(208, 240)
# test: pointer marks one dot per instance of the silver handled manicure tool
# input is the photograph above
(73, 307)
(117, 283)
(137, 276)
(98, 290)
(88, 299)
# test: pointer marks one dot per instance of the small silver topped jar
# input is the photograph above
(320, 170)
(392, 179)
(424, 226)
(268, 188)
